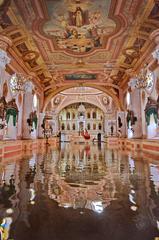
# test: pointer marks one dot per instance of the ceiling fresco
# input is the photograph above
(66, 43)
(78, 25)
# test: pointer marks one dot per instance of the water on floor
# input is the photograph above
(79, 192)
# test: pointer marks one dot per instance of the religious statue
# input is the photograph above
(12, 110)
(131, 119)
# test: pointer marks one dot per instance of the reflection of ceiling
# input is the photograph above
(81, 178)
(85, 41)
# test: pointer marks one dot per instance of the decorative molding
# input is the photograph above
(5, 42)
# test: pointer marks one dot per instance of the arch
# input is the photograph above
(61, 107)
(94, 126)
(68, 115)
(73, 126)
(63, 126)
(88, 115)
(99, 126)
(116, 100)
(94, 115)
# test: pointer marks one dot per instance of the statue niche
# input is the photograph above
(32, 119)
(131, 119)
(12, 110)
(151, 108)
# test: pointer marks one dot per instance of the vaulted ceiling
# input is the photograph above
(62, 43)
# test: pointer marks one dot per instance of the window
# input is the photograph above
(94, 126)
(73, 115)
(35, 101)
(68, 126)
(88, 115)
(88, 126)
(74, 126)
(63, 126)
(100, 126)
(94, 115)
(128, 99)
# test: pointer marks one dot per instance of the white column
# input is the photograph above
(4, 60)
(40, 129)
(136, 108)
(121, 124)
(27, 109)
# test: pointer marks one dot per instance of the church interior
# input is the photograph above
(79, 119)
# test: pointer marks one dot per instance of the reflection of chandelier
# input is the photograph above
(17, 82)
(142, 79)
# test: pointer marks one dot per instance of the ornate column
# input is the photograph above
(27, 109)
(4, 59)
(40, 129)
(121, 124)
(155, 38)
(135, 107)
(56, 124)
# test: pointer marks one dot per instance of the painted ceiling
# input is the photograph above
(67, 43)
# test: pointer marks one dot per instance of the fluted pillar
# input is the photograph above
(154, 37)
(40, 129)
(136, 107)
(121, 124)
(27, 109)
(4, 60)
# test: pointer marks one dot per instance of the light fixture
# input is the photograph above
(17, 82)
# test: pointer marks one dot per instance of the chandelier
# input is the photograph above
(17, 82)
(142, 78)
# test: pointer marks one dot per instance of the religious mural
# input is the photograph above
(80, 76)
(79, 25)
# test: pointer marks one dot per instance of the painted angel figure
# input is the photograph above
(79, 18)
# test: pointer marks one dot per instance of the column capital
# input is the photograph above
(29, 86)
(155, 54)
(132, 83)
(4, 59)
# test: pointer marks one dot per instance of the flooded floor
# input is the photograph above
(79, 192)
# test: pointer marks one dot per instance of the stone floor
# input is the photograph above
(79, 192)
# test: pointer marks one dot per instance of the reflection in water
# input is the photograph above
(79, 192)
